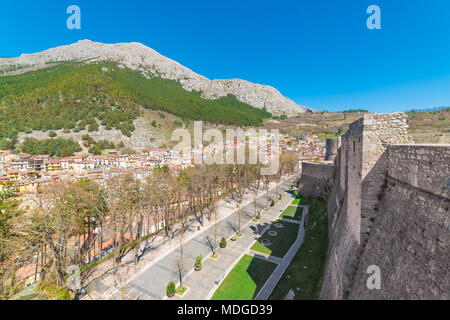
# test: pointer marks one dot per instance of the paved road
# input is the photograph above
(152, 282)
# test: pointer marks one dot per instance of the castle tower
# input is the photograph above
(331, 149)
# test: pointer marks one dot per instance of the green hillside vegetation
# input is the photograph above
(77, 96)
(96, 147)
(437, 121)
(326, 124)
(58, 147)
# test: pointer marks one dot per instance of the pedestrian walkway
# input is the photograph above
(199, 281)
(266, 257)
(291, 220)
(202, 284)
(151, 281)
(287, 259)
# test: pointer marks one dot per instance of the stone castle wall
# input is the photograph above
(388, 206)
(409, 240)
(316, 179)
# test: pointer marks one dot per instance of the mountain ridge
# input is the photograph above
(137, 56)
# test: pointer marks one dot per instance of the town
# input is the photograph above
(29, 172)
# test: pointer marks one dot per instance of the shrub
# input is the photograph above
(62, 294)
(93, 127)
(52, 134)
(258, 216)
(95, 150)
(170, 289)
(223, 242)
(53, 292)
(272, 203)
(198, 261)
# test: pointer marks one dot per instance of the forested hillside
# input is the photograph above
(58, 147)
(77, 96)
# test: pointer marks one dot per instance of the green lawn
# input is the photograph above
(281, 243)
(245, 280)
(308, 280)
(292, 213)
(299, 200)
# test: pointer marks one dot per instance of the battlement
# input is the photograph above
(388, 202)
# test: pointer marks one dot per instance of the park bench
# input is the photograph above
(220, 278)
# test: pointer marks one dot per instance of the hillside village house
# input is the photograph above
(53, 165)
(30, 172)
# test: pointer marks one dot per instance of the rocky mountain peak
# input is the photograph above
(137, 56)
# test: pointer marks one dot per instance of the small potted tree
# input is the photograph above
(170, 289)
(236, 236)
(223, 243)
(198, 263)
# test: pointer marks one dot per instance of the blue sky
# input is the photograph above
(317, 52)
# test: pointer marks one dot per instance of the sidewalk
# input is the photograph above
(157, 267)
(271, 283)
(202, 284)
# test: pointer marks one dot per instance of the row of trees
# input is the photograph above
(75, 221)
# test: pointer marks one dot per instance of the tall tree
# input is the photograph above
(9, 238)
(123, 192)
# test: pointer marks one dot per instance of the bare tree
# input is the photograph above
(124, 197)
(10, 238)
(266, 181)
(120, 275)
(215, 179)
(255, 178)
(241, 174)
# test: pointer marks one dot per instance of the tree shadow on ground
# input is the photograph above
(259, 271)
(259, 228)
(291, 192)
